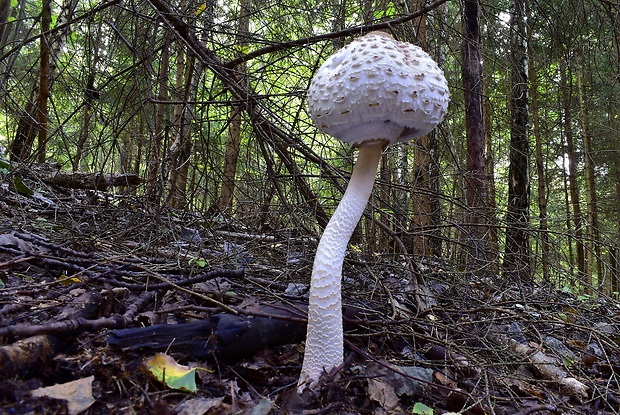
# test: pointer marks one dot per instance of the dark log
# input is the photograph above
(221, 335)
(227, 335)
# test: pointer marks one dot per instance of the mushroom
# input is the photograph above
(371, 93)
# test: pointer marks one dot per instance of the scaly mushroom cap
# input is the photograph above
(378, 88)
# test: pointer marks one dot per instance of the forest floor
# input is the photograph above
(77, 268)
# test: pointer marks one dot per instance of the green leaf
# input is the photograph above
(421, 409)
(5, 165)
(198, 262)
(166, 370)
(21, 188)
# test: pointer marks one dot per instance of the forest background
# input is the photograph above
(205, 101)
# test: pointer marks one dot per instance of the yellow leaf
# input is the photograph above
(66, 280)
(355, 248)
(201, 9)
(166, 370)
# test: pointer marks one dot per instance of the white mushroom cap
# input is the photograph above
(377, 88)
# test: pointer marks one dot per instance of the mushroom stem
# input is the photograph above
(324, 340)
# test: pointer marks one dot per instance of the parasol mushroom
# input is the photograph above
(373, 92)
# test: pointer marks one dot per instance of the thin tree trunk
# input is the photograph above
(233, 139)
(44, 78)
(154, 174)
(615, 280)
(384, 204)
(92, 60)
(593, 251)
(517, 255)
(32, 119)
(614, 18)
(422, 210)
(85, 132)
(475, 177)
(6, 9)
(566, 89)
(540, 169)
(493, 238)
(180, 150)
(191, 88)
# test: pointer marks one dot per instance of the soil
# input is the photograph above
(79, 268)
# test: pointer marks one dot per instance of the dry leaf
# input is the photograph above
(77, 393)
(382, 393)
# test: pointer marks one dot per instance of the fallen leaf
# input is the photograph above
(166, 370)
(77, 393)
(383, 393)
(201, 406)
(420, 409)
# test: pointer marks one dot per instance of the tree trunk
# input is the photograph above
(33, 120)
(493, 238)
(614, 250)
(44, 77)
(384, 204)
(421, 213)
(6, 10)
(540, 169)
(517, 252)
(593, 251)
(183, 158)
(233, 139)
(92, 60)
(566, 89)
(475, 177)
(154, 188)
(180, 151)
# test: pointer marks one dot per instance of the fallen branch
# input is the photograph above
(26, 357)
(51, 174)
(547, 366)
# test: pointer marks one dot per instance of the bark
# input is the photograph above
(517, 252)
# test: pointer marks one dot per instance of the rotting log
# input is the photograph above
(52, 175)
